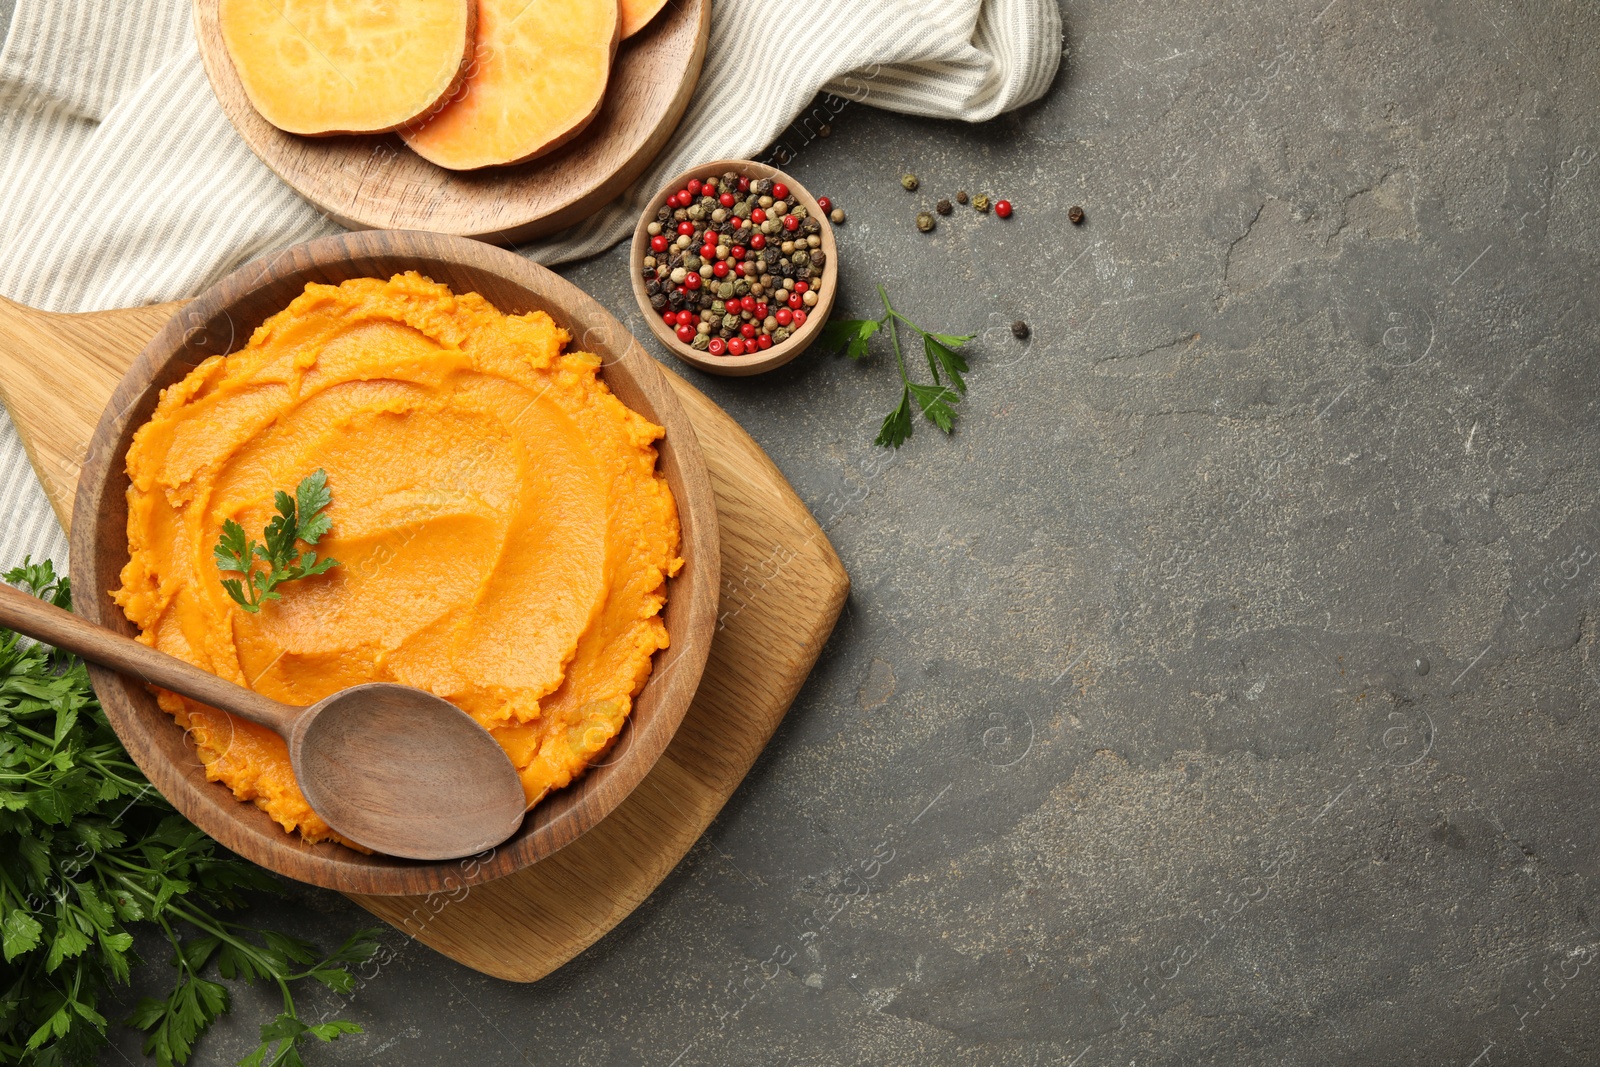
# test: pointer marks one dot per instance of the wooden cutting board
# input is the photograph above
(783, 587)
(376, 182)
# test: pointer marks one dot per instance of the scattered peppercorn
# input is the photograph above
(837, 215)
(943, 207)
(1002, 208)
(981, 203)
(909, 183)
(1075, 215)
(961, 196)
(1019, 330)
(925, 222)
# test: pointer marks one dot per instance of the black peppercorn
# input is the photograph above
(943, 207)
(1019, 330)
(961, 196)
(1075, 215)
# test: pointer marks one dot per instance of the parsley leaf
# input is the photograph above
(301, 517)
(945, 363)
(90, 852)
(897, 426)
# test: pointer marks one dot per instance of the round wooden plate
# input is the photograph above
(221, 320)
(376, 182)
(756, 362)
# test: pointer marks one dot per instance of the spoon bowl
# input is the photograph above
(359, 762)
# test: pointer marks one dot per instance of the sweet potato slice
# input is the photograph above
(538, 76)
(636, 14)
(322, 67)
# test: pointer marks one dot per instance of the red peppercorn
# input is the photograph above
(1002, 208)
(791, 223)
(737, 252)
(744, 185)
(736, 346)
(764, 341)
(717, 346)
(685, 333)
(758, 241)
(802, 287)
(796, 302)
(658, 243)
(758, 216)
(761, 312)
(780, 191)
(670, 318)
(686, 317)
(719, 269)
(799, 317)
(680, 290)
(727, 200)
(695, 185)
(686, 227)
(692, 281)
(747, 330)
(825, 204)
(747, 303)
(784, 316)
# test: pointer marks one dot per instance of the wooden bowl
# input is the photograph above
(376, 182)
(777, 355)
(221, 320)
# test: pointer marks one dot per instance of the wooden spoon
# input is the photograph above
(387, 766)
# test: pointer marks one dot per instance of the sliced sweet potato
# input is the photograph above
(321, 67)
(538, 76)
(636, 14)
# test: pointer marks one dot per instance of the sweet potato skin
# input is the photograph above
(637, 14)
(446, 138)
(240, 20)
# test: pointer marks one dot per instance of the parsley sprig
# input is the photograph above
(300, 518)
(945, 363)
(91, 853)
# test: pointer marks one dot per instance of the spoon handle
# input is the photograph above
(45, 622)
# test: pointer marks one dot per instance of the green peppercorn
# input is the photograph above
(909, 183)
(925, 222)
(701, 342)
(981, 203)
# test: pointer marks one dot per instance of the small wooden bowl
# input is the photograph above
(777, 355)
(221, 320)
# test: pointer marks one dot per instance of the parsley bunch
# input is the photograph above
(300, 518)
(852, 335)
(89, 852)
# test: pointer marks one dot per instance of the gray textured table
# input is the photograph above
(1222, 691)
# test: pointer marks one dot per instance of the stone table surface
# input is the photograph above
(1222, 691)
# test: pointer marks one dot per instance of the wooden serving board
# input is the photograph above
(377, 183)
(783, 588)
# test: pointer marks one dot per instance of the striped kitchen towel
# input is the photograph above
(124, 183)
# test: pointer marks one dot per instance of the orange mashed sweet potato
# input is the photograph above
(503, 536)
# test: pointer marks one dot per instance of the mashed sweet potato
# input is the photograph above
(503, 535)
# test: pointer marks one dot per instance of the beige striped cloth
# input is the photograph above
(122, 183)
